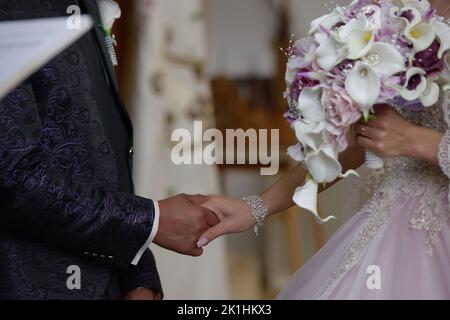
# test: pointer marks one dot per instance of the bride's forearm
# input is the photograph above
(279, 197)
(425, 145)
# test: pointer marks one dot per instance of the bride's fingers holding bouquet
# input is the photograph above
(234, 217)
(388, 134)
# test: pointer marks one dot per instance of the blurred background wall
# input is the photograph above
(218, 61)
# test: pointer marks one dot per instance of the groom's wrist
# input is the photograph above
(152, 236)
(157, 215)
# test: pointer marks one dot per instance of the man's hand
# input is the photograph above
(234, 216)
(182, 221)
(143, 294)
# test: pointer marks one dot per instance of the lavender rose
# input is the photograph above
(342, 113)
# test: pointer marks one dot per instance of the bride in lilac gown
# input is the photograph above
(397, 246)
(403, 231)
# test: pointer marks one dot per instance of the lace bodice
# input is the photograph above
(412, 177)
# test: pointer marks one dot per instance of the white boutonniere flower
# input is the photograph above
(109, 13)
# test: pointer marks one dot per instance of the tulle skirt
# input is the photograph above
(372, 258)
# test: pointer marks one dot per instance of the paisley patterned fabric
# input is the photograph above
(63, 199)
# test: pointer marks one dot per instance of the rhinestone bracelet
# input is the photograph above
(258, 210)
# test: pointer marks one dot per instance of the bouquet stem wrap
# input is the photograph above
(373, 161)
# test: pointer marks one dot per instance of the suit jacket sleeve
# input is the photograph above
(144, 275)
(41, 204)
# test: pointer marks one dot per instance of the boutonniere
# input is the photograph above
(109, 13)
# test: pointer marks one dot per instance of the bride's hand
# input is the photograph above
(388, 135)
(234, 216)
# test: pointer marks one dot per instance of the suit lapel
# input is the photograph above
(92, 9)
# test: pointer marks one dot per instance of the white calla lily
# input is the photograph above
(109, 13)
(307, 48)
(363, 85)
(411, 95)
(327, 53)
(430, 96)
(310, 134)
(296, 152)
(310, 106)
(323, 164)
(358, 37)
(327, 21)
(385, 59)
(427, 91)
(422, 5)
(374, 19)
(291, 69)
(306, 198)
(409, 11)
(421, 35)
(359, 43)
(442, 31)
(359, 23)
(290, 75)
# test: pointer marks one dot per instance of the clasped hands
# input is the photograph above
(187, 223)
(184, 221)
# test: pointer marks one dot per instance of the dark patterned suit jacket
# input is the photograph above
(66, 195)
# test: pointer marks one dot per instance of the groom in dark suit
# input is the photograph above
(70, 224)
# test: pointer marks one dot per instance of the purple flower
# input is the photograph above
(300, 82)
(338, 25)
(414, 82)
(428, 59)
(352, 11)
(387, 92)
(415, 106)
(430, 14)
(408, 14)
(290, 117)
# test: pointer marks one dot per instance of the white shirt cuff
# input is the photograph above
(150, 239)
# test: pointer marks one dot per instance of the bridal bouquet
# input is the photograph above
(370, 52)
